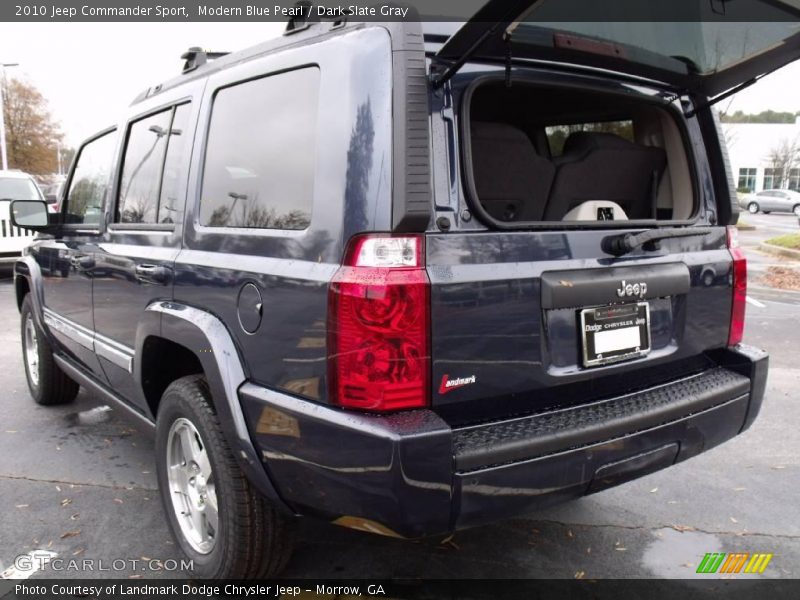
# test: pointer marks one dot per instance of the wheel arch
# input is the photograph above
(195, 332)
(28, 281)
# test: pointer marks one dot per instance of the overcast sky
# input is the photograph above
(90, 71)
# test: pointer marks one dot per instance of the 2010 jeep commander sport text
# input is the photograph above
(397, 280)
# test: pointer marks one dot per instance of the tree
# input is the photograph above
(765, 116)
(32, 137)
(782, 158)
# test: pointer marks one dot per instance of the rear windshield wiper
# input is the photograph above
(624, 243)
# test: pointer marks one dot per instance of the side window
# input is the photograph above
(259, 163)
(557, 134)
(170, 206)
(90, 180)
(153, 163)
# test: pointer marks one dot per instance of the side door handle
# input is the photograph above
(152, 273)
(82, 262)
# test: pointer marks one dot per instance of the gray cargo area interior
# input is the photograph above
(542, 153)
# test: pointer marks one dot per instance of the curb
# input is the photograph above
(745, 227)
(780, 251)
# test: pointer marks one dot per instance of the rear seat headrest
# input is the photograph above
(511, 179)
(498, 132)
(583, 141)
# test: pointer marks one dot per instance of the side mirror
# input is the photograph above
(30, 214)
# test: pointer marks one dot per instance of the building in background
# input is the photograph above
(764, 155)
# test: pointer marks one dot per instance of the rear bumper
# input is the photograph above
(411, 475)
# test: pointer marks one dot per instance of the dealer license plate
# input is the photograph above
(613, 333)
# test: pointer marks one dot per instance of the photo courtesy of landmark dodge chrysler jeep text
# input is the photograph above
(403, 280)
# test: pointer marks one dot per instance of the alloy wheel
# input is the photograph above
(192, 486)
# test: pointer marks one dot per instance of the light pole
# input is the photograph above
(3, 114)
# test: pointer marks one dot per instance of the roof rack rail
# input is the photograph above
(197, 57)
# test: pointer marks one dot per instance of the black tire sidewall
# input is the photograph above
(752, 212)
(175, 405)
(26, 311)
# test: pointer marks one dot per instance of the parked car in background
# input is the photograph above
(768, 201)
(14, 185)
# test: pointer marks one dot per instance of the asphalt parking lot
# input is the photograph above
(79, 481)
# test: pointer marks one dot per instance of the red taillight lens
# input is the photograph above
(378, 324)
(739, 272)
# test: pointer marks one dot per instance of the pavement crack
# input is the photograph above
(670, 526)
(79, 484)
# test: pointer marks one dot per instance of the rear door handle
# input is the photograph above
(152, 273)
(82, 263)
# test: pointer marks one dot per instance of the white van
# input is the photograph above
(14, 185)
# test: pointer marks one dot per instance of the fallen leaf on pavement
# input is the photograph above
(579, 574)
(782, 277)
(734, 520)
(69, 534)
(66, 501)
(654, 490)
(682, 528)
(23, 505)
(119, 501)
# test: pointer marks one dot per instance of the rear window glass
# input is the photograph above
(259, 166)
(13, 188)
(707, 46)
(558, 134)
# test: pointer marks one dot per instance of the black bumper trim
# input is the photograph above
(540, 434)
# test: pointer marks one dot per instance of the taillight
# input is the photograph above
(739, 272)
(378, 324)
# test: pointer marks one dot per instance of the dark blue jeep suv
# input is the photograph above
(405, 280)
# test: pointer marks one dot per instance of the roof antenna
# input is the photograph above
(718, 6)
(196, 57)
(303, 19)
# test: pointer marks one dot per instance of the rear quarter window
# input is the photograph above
(260, 155)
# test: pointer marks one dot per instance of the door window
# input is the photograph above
(155, 161)
(170, 201)
(90, 180)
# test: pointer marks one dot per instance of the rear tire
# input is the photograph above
(48, 384)
(796, 210)
(217, 517)
(752, 208)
